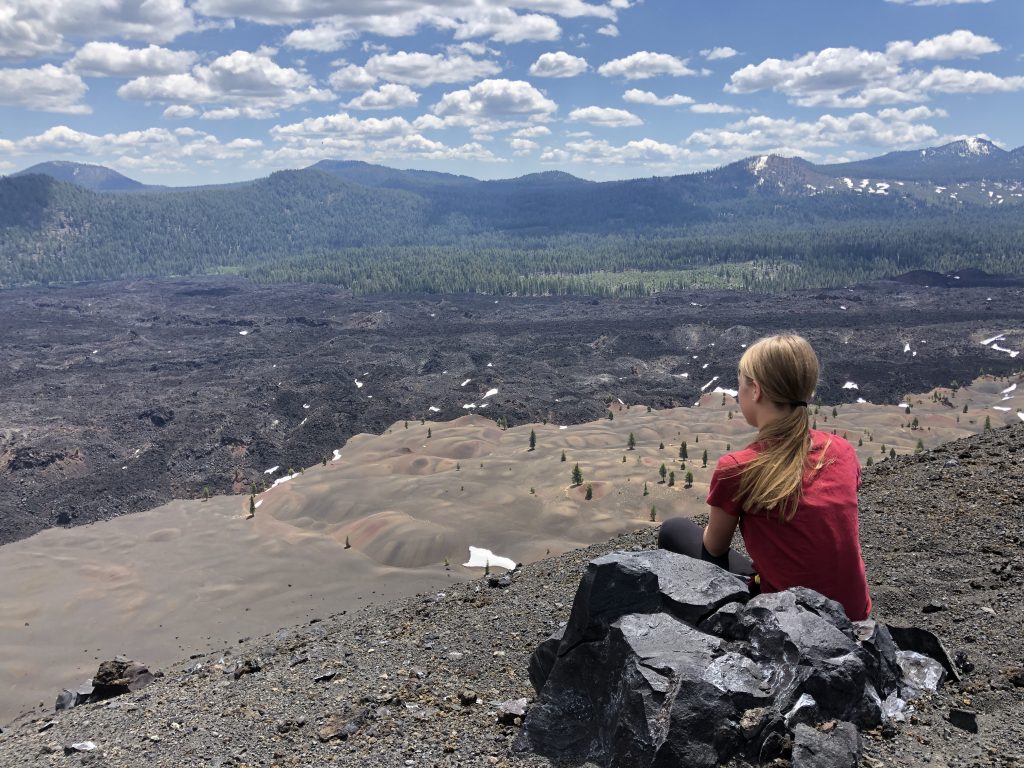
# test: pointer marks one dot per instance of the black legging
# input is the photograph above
(682, 535)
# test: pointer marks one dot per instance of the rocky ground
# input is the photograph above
(422, 681)
(119, 397)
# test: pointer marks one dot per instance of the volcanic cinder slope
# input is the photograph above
(422, 678)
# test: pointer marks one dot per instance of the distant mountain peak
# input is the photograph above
(971, 147)
(98, 178)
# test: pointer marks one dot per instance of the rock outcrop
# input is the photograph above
(667, 660)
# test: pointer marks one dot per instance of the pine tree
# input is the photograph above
(577, 475)
(661, 446)
(988, 424)
(704, 458)
(671, 479)
(870, 461)
(689, 480)
(919, 447)
(252, 506)
(646, 492)
(631, 443)
(654, 513)
(563, 455)
(682, 451)
(429, 432)
(663, 470)
(892, 453)
(590, 492)
(533, 439)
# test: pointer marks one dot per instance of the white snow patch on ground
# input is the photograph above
(481, 558)
(465, 382)
(271, 471)
(914, 353)
(257, 504)
(1000, 408)
(709, 383)
(95, 351)
(434, 409)
(563, 427)
(842, 306)
(681, 375)
(1020, 415)
(620, 401)
(490, 365)
(494, 391)
(861, 400)
(904, 405)
(302, 423)
(906, 347)
(306, 406)
(243, 333)
(998, 337)
(358, 383)
(337, 454)
(1010, 352)
(1008, 390)
(722, 390)
(280, 480)
(469, 406)
(850, 385)
(705, 366)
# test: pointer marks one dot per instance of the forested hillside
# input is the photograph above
(767, 223)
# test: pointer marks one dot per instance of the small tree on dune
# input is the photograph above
(563, 455)
(663, 470)
(671, 479)
(682, 451)
(590, 492)
(646, 492)
(533, 439)
(631, 442)
(704, 458)
(577, 475)
(689, 480)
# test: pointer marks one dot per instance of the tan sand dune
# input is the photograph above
(193, 576)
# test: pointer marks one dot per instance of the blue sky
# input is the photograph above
(209, 91)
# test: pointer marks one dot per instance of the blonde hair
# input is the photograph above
(786, 369)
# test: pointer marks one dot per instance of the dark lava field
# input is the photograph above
(117, 397)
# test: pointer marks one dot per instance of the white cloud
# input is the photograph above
(180, 112)
(644, 64)
(609, 30)
(234, 113)
(636, 96)
(522, 147)
(646, 151)
(890, 128)
(388, 96)
(31, 28)
(492, 103)
(722, 52)
(351, 77)
(853, 78)
(150, 148)
(959, 44)
(554, 155)
(372, 139)
(116, 59)
(240, 79)
(532, 131)
(946, 80)
(46, 88)
(335, 27)
(606, 116)
(425, 69)
(558, 64)
(715, 109)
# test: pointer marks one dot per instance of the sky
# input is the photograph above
(185, 92)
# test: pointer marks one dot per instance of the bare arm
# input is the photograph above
(719, 530)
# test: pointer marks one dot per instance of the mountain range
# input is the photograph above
(946, 207)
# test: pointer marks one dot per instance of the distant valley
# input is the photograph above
(766, 223)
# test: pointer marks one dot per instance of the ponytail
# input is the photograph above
(787, 370)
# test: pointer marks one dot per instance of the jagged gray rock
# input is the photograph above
(666, 660)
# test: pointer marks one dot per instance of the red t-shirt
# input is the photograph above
(819, 547)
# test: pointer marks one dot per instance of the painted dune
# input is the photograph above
(391, 514)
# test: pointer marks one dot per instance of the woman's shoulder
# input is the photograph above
(837, 445)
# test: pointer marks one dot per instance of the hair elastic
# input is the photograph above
(796, 403)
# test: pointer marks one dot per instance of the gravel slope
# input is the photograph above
(419, 681)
